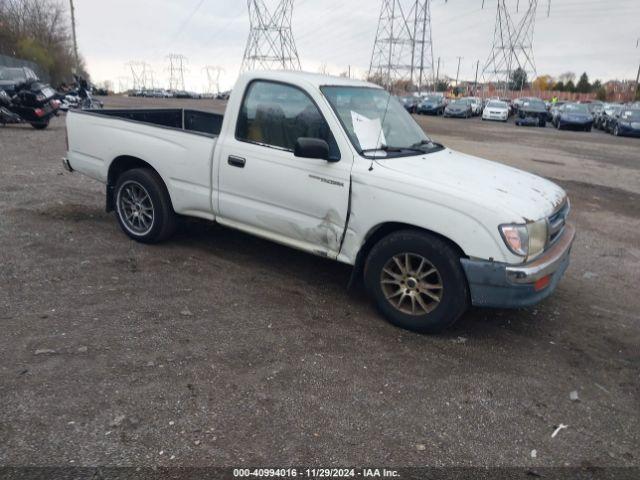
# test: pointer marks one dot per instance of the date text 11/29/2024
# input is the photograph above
(315, 473)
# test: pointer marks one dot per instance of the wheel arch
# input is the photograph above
(120, 165)
(378, 232)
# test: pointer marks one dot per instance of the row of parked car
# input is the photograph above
(617, 119)
(162, 93)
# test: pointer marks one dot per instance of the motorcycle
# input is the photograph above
(33, 103)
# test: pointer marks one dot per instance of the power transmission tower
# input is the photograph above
(123, 83)
(270, 44)
(176, 71)
(139, 75)
(403, 49)
(512, 47)
(213, 78)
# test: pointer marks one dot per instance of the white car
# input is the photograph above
(339, 169)
(496, 110)
(476, 105)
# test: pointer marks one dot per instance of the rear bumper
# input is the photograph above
(501, 285)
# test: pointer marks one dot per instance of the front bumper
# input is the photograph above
(456, 114)
(501, 285)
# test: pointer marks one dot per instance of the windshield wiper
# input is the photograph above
(430, 143)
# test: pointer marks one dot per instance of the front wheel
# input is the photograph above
(417, 281)
(143, 206)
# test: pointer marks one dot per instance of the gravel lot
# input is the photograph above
(218, 348)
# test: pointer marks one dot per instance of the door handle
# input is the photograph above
(236, 161)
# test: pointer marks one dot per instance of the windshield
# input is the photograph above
(630, 115)
(576, 107)
(459, 103)
(497, 105)
(12, 74)
(432, 99)
(375, 121)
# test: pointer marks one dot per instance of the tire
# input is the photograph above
(40, 125)
(153, 219)
(451, 298)
(616, 131)
(542, 124)
(587, 129)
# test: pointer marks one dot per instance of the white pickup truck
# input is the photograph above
(337, 168)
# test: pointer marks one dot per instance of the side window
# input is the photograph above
(277, 115)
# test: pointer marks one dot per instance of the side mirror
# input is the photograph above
(307, 147)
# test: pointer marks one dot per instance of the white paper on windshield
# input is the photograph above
(368, 131)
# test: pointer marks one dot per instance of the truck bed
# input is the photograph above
(178, 118)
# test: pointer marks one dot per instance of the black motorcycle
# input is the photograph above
(33, 103)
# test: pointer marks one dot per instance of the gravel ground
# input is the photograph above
(218, 348)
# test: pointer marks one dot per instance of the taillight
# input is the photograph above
(39, 112)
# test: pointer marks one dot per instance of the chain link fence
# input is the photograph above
(6, 61)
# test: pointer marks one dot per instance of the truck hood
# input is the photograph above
(520, 195)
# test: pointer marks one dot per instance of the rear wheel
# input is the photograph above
(417, 281)
(143, 206)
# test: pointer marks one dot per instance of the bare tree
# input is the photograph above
(38, 30)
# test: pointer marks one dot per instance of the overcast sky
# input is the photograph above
(597, 36)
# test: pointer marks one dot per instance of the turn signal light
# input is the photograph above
(542, 283)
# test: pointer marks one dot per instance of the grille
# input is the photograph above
(557, 221)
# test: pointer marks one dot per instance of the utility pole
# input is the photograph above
(438, 74)
(635, 92)
(458, 72)
(475, 83)
(75, 40)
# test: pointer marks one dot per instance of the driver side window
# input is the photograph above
(276, 115)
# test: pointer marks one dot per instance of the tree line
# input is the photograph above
(39, 30)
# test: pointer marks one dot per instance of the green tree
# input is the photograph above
(559, 86)
(601, 94)
(518, 79)
(442, 86)
(583, 85)
(596, 85)
(570, 87)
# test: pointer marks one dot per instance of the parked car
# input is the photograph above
(432, 105)
(626, 123)
(532, 112)
(554, 111)
(496, 110)
(11, 77)
(604, 120)
(476, 105)
(459, 108)
(410, 103)
(429, 229)
(574, 115)
(595, 108)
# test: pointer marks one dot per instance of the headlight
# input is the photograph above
(525, 240)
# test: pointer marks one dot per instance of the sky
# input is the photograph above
(596, 36)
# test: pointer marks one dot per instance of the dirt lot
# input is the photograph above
(218, 348)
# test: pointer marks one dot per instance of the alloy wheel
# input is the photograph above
(135, 208)
(412, 284)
